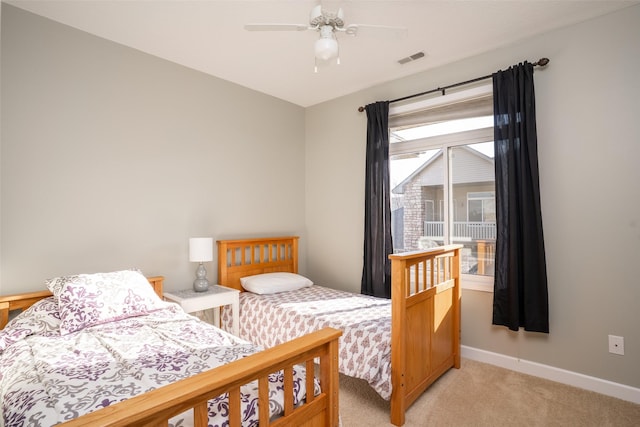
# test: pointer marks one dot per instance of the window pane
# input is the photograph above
(440, 128)
(417, 197)
(474, 225)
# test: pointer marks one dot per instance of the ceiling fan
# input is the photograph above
(327, 24)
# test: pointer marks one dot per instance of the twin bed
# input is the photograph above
(105, 350)
(399, 346)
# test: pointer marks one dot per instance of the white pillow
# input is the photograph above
(272, 283)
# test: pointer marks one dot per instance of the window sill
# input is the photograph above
(476, 283)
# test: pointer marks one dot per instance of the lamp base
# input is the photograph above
(201, 284)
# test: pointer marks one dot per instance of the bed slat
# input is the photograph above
(235, 413)
(201, 415)
(263, 400)
(310, 366)
(288, 390)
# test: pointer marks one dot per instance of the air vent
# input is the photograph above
(410, 58)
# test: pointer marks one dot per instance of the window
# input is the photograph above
(429, 210)
(481, 207)
(442, 182)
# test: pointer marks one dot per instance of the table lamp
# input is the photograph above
(201, 250)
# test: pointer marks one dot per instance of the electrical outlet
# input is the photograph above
(616, 345)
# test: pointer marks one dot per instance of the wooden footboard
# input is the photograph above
(425, 322)
(156, 407)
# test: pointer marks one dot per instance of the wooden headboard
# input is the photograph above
(247, 257)
(9, 303)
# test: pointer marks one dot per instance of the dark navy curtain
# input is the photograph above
(520, 296)
(376, 270)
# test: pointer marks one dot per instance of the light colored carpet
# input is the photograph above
(481, 395)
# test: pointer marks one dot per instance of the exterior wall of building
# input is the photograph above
(414, 214)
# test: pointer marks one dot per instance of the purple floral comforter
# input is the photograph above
(47, 378)
(365, 322)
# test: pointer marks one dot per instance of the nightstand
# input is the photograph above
(213, 298)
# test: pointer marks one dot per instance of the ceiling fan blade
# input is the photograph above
(316, 12)
(276, 27)
(355, 29)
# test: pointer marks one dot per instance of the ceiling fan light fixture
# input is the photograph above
(326, 48)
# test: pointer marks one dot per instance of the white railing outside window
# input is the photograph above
(462, 230)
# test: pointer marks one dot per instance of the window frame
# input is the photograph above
(446, 143)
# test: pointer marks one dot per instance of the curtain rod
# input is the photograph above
(541, 62)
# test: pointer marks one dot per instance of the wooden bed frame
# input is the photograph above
(425, 314)
(156, 407)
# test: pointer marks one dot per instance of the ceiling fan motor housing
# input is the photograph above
(320, 18)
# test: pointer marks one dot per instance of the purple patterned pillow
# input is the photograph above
(42, 318)
(92, 299)
(55, 285)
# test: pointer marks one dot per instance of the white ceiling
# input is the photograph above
(208, 36)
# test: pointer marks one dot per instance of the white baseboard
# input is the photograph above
(575, 379)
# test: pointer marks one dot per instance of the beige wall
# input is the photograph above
(112, 158)
(589, 146)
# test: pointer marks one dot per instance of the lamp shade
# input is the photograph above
(200, 249)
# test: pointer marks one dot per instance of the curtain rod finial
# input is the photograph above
(542, 62)
(360, 109)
